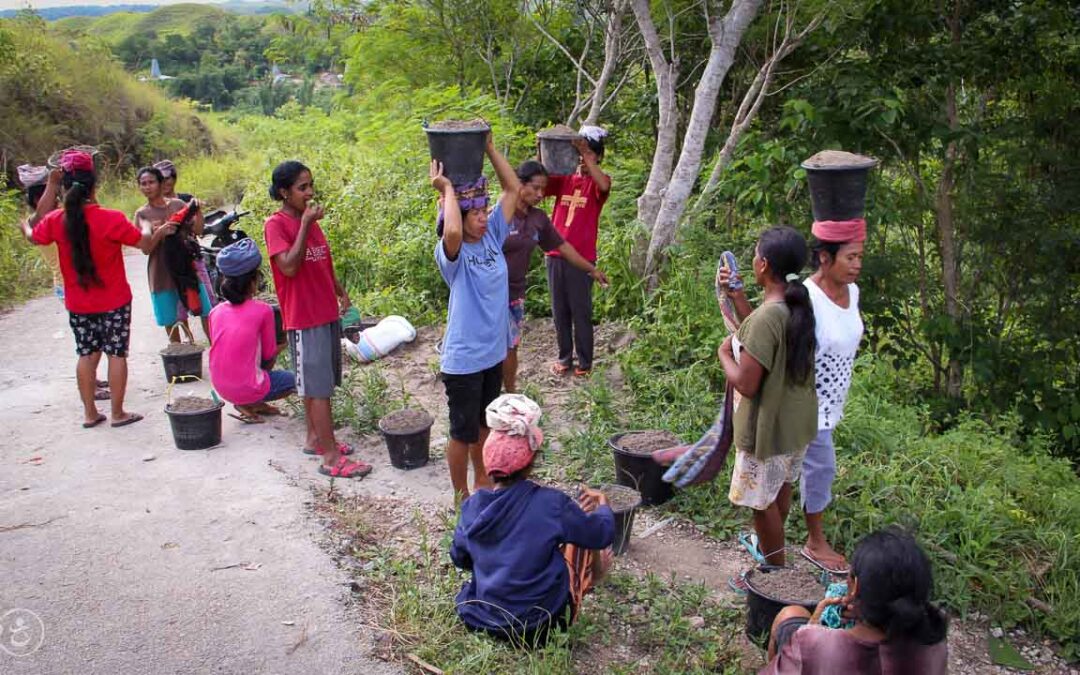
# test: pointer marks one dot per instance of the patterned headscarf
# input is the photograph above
(30, 175)
(167, 168)
(469, 196)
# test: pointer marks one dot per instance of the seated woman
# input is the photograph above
(534, 552)
(896, 629)
(243, 347)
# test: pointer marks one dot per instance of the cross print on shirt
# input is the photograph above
(575, 202)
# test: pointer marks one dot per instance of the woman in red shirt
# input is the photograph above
(90, 243)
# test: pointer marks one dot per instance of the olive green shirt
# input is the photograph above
(782, 418)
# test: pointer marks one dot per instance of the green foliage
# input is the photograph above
(23, 270)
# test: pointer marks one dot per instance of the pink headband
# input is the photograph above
(846, 231)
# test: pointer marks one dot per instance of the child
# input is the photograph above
(470, 259)
(169, 176)
(90, 241)
(529, 229)
(774, 372)
(532, 550)
(309, 294)
(578, 201)
(896, 628)
(243, 348)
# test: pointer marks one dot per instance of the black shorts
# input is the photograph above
(468, 396)
(108, 332)
(787, 628)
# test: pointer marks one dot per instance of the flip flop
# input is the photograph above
(582, 372)
(343, 448)
(559, 369)
(246, 418)
(738, 584)
(838, 571)
(749, 541)
(267, 409)
(345, 468)
(91, 425)
(135, 417)
(102, 394)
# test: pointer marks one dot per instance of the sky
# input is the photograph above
(19, 4)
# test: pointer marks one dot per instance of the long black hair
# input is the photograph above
(78, 185)
(34, 194)
(237, 289)
(830, 248)
(285, 176)
(530, 169)
(895, 582)
(786, 252)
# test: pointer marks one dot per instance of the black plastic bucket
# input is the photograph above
(624, 517)
(180, 367)
(196, 430)
(761, 609)
(461, 152)
(557, 153)
(838, 191)
(641, 473)
(409, 448)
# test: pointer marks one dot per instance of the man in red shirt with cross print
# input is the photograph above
(579, 198)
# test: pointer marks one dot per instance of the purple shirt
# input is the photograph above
(817, 650)
(526, 233)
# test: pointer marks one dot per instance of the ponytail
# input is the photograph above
(786, 252)
(78, 186)
(894, 588)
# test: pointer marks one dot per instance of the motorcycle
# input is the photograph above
(218, 227)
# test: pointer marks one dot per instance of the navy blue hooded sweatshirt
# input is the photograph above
(510, 540)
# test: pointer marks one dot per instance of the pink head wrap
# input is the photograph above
(507, 453)
(840, 231)
(76, 160)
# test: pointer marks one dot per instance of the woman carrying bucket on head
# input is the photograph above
(90, 241)
(243, 347)
(531, 228)
(470, 259)
(533, 551)
(579, 198)
(770, 361)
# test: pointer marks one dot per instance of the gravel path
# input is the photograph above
(141, 558)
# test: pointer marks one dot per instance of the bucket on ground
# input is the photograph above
(557, 152)
(195, 422)
(408, 437)
(182, 362)
(640, 472)
(762, 608)
(460, 147)
(838, 184)
(623, 502)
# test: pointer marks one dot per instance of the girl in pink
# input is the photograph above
(243, 348)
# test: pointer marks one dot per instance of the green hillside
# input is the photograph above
(172, 19)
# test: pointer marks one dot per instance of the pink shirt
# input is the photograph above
(242, 338)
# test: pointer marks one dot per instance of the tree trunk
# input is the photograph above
(950, 259)
(612, 44)
(725, 35)
(667, 116)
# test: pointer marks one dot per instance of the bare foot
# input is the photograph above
(825, 555)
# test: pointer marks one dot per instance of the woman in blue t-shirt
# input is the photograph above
(470, 258)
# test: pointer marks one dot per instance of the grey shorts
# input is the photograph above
(818, 472)
(316, 357)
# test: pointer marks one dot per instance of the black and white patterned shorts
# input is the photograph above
(108, 332)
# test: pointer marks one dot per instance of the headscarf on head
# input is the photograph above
(515, 436)
(167, 168)
(840, 231)
(593, 133)
(76, 160)
(469, 196)
(30, 175)
(239, 258)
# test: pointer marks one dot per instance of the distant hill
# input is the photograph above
(180, 19)
(54, 13)
(95, 11)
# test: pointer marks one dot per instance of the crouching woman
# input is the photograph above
(243, 348)
(534, 552)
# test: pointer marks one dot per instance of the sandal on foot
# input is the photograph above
(267, 409)
(345, 468)
(132, 419)
(749, 541)
(245, 416)
(102, 394)
(91, 425)
(342, 448)
(837, 570)
(582, 372)
(559, 369)
(738, 584)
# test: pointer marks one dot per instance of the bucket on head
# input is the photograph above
(557, 152)
(761, 609)
(459, 146)
(641, 473)
(182, 366)
(196, 430)
(408, 437)
(838, 184)
(623, 502)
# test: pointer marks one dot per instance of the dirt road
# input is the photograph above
(122, 554)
